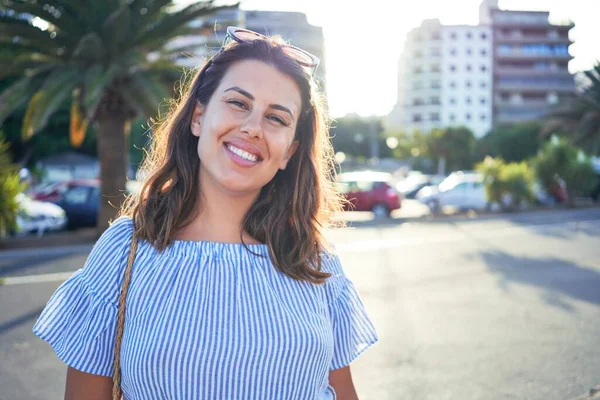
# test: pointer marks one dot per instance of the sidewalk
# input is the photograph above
(49, 240)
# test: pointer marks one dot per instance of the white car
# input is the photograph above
(459, 190)
(38, 216)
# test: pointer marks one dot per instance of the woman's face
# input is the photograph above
(246, 131)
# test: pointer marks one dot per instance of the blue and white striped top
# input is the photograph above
(206, 320)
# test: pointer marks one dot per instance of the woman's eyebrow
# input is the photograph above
(251, 97)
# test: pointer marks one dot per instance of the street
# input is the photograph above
(499, 307)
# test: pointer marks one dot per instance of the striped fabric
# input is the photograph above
(206, 320)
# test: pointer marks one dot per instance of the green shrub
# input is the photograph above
(509, 185)
(559, 159)
(10, 186)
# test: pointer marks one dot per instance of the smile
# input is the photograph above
(241, 153)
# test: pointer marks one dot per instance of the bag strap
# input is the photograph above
(116, 392)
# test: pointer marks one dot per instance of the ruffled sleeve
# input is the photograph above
(353, 331)
(79, 320)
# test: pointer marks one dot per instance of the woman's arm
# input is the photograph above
(341, 381)
(84, 386)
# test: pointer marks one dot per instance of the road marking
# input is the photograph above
(20, 280)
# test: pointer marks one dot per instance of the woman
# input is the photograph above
(234, 293)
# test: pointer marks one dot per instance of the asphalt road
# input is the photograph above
(493, 308)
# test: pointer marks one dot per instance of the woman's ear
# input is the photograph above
(196, 122)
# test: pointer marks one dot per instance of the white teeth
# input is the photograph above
(242, 153)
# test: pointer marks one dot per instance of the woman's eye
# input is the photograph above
(279, 120)
(238, 103)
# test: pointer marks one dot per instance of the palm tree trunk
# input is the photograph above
(112, 152)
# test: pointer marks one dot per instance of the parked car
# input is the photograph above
(462, 190)
(52, 191)
(416, 181)
(38, 217)
(80, 202)
(369, 191)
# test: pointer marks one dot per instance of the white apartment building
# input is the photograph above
(445, 79)
(467, 77)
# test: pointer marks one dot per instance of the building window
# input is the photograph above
(418, 69)
(435, 84)
(453, 35)
(434, 100)
(483, 85)
(468, 84)
(452, 68)
(468, 67)
(418, 54)
(468, 100)
(452, 100)
(483, 35)
(435, 68)
(453, 52)
(468, 117)
(482, 117)
(434, 116)
(483, 52)
(435, 52)
(417, 101)
(504, 49)
(452, 117)
(469, 35)
(469, 51)
(482, 100)
(452, 84)
(417, 85)
(417, 118)
(483, 68)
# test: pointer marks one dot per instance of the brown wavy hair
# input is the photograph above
(291, 211)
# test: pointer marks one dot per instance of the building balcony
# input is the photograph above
(526, 104)
(526, 39)
(535, 22)
(536, 87)
(520, 71)
(521, 55)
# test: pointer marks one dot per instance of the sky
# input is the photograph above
(364, 39)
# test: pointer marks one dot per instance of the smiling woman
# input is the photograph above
(230, 289)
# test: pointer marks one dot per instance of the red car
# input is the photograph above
(53, 191)
(369, 191)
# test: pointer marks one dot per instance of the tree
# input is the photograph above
(512, 143)
(455, 146)
(353, 136)
(579, 118)
(97, 55)
(559, 159)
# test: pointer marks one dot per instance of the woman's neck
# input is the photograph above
(220, 216)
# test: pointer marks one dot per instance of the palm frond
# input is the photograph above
(54, 92)
(171, 25)
(12, 27)
(55, 15)
(18, 94)
(90, 49)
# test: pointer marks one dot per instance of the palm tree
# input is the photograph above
(580, 117)
(108, 57)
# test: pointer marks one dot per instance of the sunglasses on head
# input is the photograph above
(302, 57)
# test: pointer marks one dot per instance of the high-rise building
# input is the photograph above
(445, 79)
(511, 67)
(531, 58)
